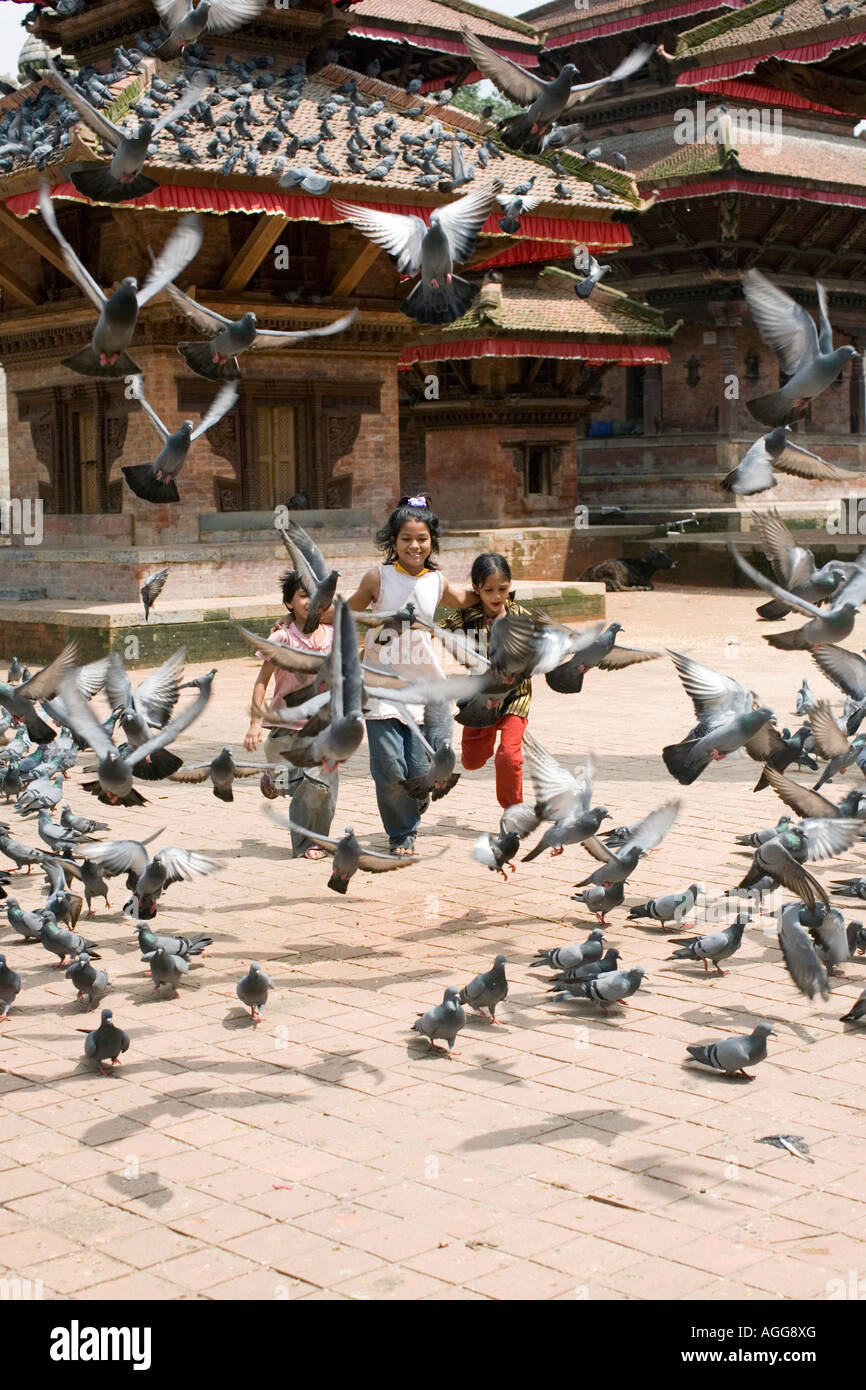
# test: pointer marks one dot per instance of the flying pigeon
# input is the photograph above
(497, 851)
(309, 565)
(107, 355)
(440, 296)
(755, 471)
(216, 360)
(155, 482)
(152, 588)
(805, 352)
(561, 799)
(187, 22)
(220, 771)
(727, 720)
(833, 625)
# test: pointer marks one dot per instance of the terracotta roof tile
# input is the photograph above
(811, 157)
(568, 16)
(400, 181)
(448, 16)
(551, 307)
(750, 29)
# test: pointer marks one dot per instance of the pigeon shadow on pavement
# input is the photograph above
(740, 1015)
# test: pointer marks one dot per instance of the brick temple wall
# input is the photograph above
(471, 474)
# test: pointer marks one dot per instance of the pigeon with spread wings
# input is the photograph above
(440, 296)
(728, 719)
(118, 313)
(563, 799)
(805, 352)
(350, 855)
(546, 101)
(309, 565)
(155, 482)
(216, 360)
(187, 22)
(834, 624)
(122, 178)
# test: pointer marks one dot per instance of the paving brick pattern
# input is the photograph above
(324, 1154)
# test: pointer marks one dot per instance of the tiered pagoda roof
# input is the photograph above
(807, 61)
(432, 29)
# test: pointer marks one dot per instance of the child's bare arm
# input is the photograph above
(458, 598)
(254, 733)
(366, 593)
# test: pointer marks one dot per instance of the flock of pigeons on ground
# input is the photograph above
(51, 719)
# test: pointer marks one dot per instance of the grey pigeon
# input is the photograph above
(614, 987)
(253, 989)
(216, 359)
(845, 888)
(19, 700)
(831, 743)
(155, 482)
(826, 926)
(10, 986)
(318, 580)
(188, 22)
(545, 101)
(107, 355)
(514, 206)
(617, 866)
(61, 942)
(593, 274)
(777, 860)
(115, 770)
(58, 840)
(152, 588)
(70, 821)
(857, 1010)
(341, 730)
(805, 698)
(856, 933)
(715, 947)
(166, 969)
(733, 1055)
(89, 983)
(26, 924)
(487, 990)
(802, 960)
(561, 799)
(220, 771)
(590, 971)
(443, 1022)
(776, 451)
(727, 719)
(847, 670)
(350, 855)
(106, 1043)
(570, 957)
(122, 178)
(832, 625)
(183, 946)
(600, 900)
(772, 832)
(673, 907)
(497, 851)
(440, 296)
(805, 352)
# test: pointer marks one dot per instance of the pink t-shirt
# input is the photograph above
(288, 634)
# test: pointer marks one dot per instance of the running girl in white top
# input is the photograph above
(408, 574)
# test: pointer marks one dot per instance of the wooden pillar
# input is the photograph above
(857, 386)
(728, 317)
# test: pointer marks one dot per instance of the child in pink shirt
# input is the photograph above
(313, 792)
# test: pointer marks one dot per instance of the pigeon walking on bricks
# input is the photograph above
(443, 1022)
(89, 983)
(615, 987)
(26, 924)
(569, 957)
(253, 989)
(61, 942)
(673, 907)
(10, 987)
(166, 969)
(601, 900)
(487, 990)
(581, 973)
(733, 1055)
(714, 947)
(183, 946)
(105, 1043)
(70, 821)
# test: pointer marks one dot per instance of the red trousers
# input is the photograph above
(478, 745)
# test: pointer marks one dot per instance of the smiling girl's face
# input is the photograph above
(299, 606)
(493, 592)
(413, 544)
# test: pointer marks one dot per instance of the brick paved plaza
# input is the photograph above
(323, 1154)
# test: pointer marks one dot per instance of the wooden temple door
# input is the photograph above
(276, 454)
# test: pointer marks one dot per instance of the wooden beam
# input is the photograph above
(253, 251)
(352, 272)
(9, 281)
(37, 240)
(531, 372)
(132, 229)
